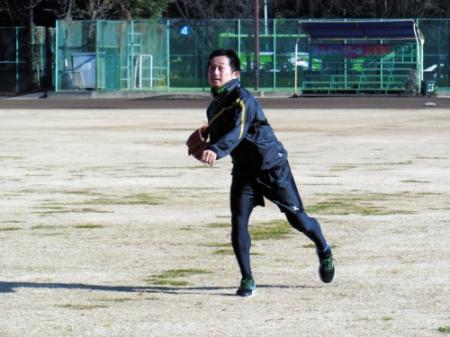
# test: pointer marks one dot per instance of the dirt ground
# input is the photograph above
(108, 228)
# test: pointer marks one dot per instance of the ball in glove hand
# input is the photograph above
(197, 142)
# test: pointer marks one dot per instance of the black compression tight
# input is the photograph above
(241, 241)
(240, 238)
(308, 226)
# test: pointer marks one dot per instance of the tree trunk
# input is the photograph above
(29, 54)
(47, 83)
(68, 14)
(311, 8)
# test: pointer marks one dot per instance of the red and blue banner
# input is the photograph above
(351, 51)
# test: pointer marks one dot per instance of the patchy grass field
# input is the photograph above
(107, 228)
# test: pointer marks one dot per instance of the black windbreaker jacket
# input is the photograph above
(238, 126)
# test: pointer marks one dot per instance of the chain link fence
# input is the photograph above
(17, 47)
(171, 55)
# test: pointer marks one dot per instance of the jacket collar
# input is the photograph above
(224, 90)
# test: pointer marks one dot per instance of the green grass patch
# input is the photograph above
(44, 227)
(62, 210)
(433, 158)
(384, 166)
(115, 300)
(223, 251)
(444, 329)
(218, 244)
(87, 226)
(9, 229)
(162, 281)
(200, 167)
(342, 167)
(362, 204)
(53, 207)
(187, 228)
(222, 248)
(219, 225)
(175, 273)
(175, 277)
(336, 207)
(87, 210)
(37, 175)
(82, 306)
(270, 230)
(135, 199)
(58, 191)
(82, 192)
(395, 163)
(415, 181)
(52, 234)
(347, 167)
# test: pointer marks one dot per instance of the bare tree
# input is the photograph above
(359, 8)
(151, 9)
(19, 11)
(5, 8)
(380, 8)
(111, 9)
(214, 9)
(287, 8)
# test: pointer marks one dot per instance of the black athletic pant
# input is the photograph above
(277, 185)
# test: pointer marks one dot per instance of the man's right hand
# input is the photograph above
(209, 157)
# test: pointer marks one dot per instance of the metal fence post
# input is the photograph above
(97, 54)
(168, 53)
(17, 60)
(256, 43)
(57, 87)
(239, 36)
(274, 55)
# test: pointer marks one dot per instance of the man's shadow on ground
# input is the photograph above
(10, 287)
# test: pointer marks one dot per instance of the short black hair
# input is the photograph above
(235, 63)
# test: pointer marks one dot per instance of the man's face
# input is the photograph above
(220, 72)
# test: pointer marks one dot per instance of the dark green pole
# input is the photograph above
(17, 60)
(256, 22)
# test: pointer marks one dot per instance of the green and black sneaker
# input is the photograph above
(247, 287)
(326, 268)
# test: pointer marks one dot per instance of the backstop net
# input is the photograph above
(111, 55)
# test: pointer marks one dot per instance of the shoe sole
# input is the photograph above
(249, 295)
(327, 281)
